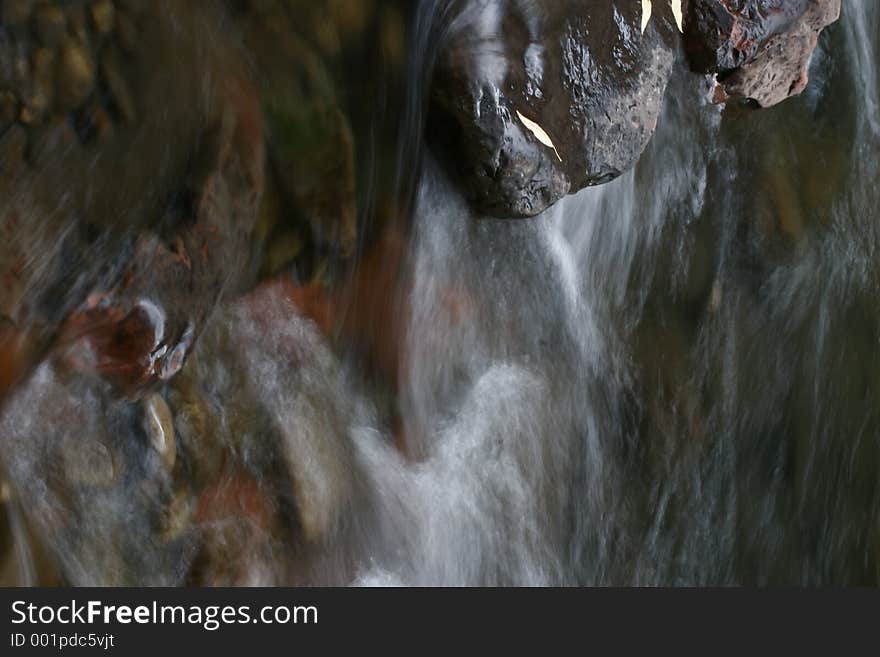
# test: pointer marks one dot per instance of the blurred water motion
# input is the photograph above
(672, 378)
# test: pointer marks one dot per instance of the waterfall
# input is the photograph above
(671, 378)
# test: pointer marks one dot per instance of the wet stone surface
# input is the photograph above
(761, 49)
(583, 71)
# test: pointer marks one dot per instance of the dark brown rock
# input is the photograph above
(581, 70)
(76, 74)
(103, 15)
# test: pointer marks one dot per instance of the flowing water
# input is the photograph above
(673, 378)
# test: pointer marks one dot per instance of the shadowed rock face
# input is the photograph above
(582, 70)
(761, 49)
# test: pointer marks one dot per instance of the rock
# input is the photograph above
(715, 296)
(15, 12)
(49, 24)
(197, 427)
(111, 73)
(173, 230)
(93, 122)
(78, 22)
(76, 74)
(314, 150)
(103, 15)
(238, 532)
(135, 8)
(760, 49)
(13, 144)
(312, 145)
(39, 100)
(280, 252)
(721, 35)
(581, 70)
(126, 32)
(87, 461)
(177, 516)
(8, 109)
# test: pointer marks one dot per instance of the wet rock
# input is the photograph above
(139, 330)
(760, 49)
(86, 461)
(281, 252)
(103, 15)
(76, 74)
(15, 12)
(93, 122)
(111, 73)
(351, 18)
(581, 71)
(173, 229)
(39, 100)
(50, 24)
(196, 426)
(8, 109)
(13, 144)
(311, 145)
(135, 8)
(177, 517)
(237, 523)
(314, 150)
(721, 35)
(126, 32)
(78, 21)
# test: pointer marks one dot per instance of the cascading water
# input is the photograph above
(671, 378)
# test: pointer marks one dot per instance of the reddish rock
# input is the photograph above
(760, 49)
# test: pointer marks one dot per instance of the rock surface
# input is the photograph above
(581, 70)
(760, 49)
